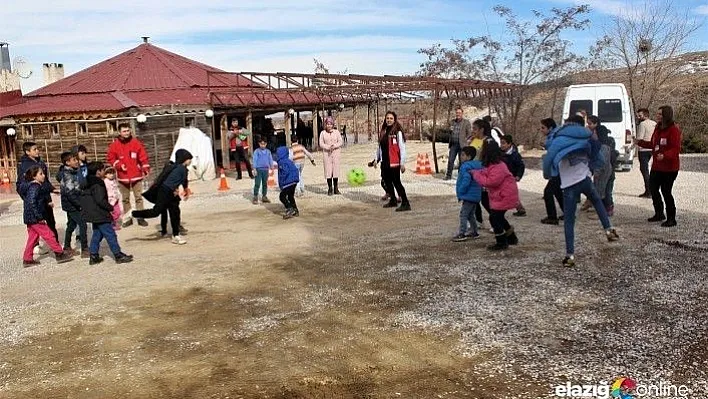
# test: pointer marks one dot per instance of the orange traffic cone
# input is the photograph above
(427, 170)
(419, 165)
(271, 178)
(223, 185)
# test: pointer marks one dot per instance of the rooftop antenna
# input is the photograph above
(22, 68)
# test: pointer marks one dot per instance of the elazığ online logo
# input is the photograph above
(622, 388)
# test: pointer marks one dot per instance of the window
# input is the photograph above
(189, 121)
(112, 126)
(609, 110)
(27, 132)
(82, 129)
(577, 105)
(54, 131)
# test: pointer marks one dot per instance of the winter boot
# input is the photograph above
(658, 217)
(296, 213)
(336, 186)
(511, 238)
(63, 257)
(288, 213)
(670, 218)
(95, 259)
(142, 222)
(329, 187)
(123, 258)
(405, 206)
(501, 244)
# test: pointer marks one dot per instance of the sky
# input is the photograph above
(359, 36)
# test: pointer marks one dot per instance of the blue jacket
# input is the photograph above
(25, 164)
(563, 141)
(34, 202)
(288, 174)
(467, 188)
(70, 184)
(262, 158)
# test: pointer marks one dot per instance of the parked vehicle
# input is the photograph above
(612, 104)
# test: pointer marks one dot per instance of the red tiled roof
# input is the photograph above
(9, 98)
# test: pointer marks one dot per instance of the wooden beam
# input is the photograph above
(435, 118)
(315, 130)
(249, 126)
(356, 130)
(225, 162)
(288, 131)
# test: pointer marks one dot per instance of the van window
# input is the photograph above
(576, 105)
(609, 110)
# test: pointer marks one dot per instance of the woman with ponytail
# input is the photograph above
(392, 155)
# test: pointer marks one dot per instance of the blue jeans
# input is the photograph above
(644, 159)
(300, 184)
(571, 195)
(467, 217)
(75, 220)
(455, 151)
(261, 180)
(101, 231)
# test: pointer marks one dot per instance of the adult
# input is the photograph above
(553, 187)
(128, 156)
(572, 155)
(391, 152)
(666, 146)
(496, 132)
(331, 144)
(238, 146)
(645, 129)
(459, 137)
(604, 178)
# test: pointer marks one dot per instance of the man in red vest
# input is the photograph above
(238, 143)
(128, 156)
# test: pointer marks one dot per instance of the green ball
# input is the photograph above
(356, 177)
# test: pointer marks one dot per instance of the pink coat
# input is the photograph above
(331, 144)
(500, 184)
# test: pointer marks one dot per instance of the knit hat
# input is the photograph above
(182, 155)
(329, 120)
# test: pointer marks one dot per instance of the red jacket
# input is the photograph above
(130, 160)
(667, 142)
(500, 185)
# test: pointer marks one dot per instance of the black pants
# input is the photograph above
(163, 219)
(661, 183)
(75, 220)
(240, 156)
(485, 204)
(391, 181)
(498, 221)
(644, 158)
(553, 189)
(51, 222)
(287, 197)
(166, 200)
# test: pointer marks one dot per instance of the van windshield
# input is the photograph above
(609, 110)
(577, 105)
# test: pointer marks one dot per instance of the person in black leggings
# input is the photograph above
(392, 154)
(553, 187)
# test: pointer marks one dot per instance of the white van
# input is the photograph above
(612, 104)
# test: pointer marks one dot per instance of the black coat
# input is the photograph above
(515, 163)
(25, 164)
(34, 202)
(95, 207)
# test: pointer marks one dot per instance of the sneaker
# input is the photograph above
(288, 214)
(295, 212)
(85, 253)
(612, 235)
(161, 234)
(40, 250)
(447, 178)
(128, 223)
(265, 200)
(123, 258)
(403, 208)
(471, 235)
(550, 221)
(384, 198)
(569, 261)
(29, 263)
(460, 238)
(254, 201)
(95, 259)
(178, 240)
(657, 218)
(669, 223)
(644, 195)
(498, 247)
(520, 213)
(142, 222)
(63, 257)
(182, 230)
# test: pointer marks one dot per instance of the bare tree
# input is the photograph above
(646, 42)
(535, 53)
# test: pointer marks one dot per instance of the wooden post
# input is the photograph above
(435, 116)
(417, 122)
(354, 126)
(213, 147)
(224, 144)
(315, 131)
(368, 119)
(154, 143)
(288, 132)
(249, 126)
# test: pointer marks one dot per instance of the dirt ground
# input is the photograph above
(352, 300)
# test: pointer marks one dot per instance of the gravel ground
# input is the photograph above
(517, 323)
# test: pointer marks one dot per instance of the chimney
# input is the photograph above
(52, 72)
(145, 38)
(5, 57)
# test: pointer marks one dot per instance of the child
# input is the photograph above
(298, 153)
(29, 159)
(502, 191)
(469, 193)
(515, 163)
(288, 178)
(262, 163)
(165, 213)
(34, 217)
(114, 197)
(70, 182)
(80, 151)
(164, 193)
(95, 209)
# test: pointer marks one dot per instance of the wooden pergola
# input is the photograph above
(302, 91)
